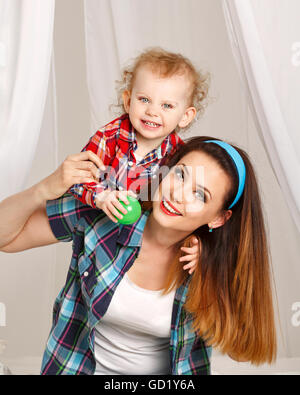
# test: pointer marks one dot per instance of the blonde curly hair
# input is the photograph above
(166, 64)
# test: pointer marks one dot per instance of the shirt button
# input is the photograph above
(154, 176)
(86, 274)
(130, 163)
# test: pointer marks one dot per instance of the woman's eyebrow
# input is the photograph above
(185, 167)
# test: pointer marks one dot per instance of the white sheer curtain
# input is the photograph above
(28, 153)
(265, 37)
(26, 29)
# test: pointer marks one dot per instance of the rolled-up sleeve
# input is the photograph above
(64, 214)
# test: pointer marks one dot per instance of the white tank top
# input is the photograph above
(134, 334)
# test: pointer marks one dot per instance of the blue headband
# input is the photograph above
(239, 164)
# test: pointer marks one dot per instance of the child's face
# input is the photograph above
(156, 106)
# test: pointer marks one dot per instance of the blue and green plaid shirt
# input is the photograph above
(102, 253)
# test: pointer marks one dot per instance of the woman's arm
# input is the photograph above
(16, 210)
(29, 226)
(24, 223)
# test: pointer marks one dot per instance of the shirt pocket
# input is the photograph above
(87, 274)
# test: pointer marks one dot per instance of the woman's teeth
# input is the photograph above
(169, 208)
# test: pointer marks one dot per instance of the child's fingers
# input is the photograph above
(187, 258)
(131, 193)
(190, 250)
(191, 266)
(109, 214)
(192, 270)
(122, 196)
(117, 205)
(114, 211)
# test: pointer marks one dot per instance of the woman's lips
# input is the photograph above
(167, 207)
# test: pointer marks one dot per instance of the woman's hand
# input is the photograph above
(193, 256)
(76, 169)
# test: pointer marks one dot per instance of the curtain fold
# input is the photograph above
(102, 56)
(262, 35)
(26, 36)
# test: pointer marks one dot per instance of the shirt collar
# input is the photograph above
(167, 144)
(131, 235)
(127, 131)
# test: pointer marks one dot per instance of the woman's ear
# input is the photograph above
(220, 221)
(126, 100)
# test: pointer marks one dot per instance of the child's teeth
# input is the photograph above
(151, 124)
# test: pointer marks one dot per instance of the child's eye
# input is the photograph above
(167, 106)
(143, 99)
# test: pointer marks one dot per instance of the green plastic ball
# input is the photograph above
(133, 211)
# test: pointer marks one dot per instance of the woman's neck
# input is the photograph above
(166, 239)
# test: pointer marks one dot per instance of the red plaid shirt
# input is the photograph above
(115, 144)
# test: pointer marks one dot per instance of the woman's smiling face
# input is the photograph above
(192, 194)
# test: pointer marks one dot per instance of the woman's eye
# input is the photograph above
(179, 173)
(200, 195)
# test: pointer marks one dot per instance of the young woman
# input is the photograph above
(127, 307)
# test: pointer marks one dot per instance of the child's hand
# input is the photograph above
(193, 256)
(108, 201)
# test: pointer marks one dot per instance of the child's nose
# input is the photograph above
(152, 110)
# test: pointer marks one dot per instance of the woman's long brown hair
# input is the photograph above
(230, 294)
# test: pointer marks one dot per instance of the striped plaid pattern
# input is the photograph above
(102, 252)
(115, 144)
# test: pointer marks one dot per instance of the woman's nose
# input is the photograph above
(182, 194)
(176, 193)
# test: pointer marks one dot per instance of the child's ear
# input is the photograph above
(126, 100)
(187, 117)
